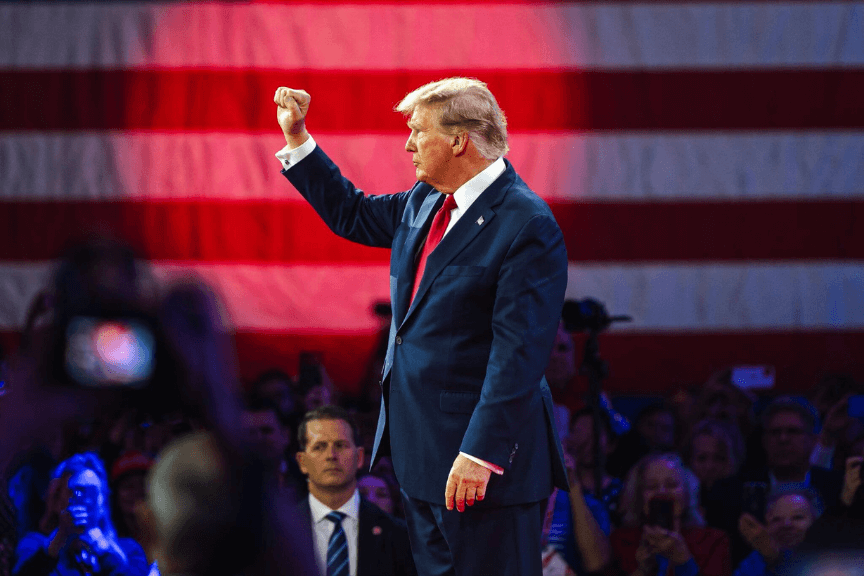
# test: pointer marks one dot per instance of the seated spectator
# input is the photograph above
(713, 451)
(579, 443)
(127, 483)
(789, 433)
(577, 526)
(788, 516)
(85, 541)
(643, 547)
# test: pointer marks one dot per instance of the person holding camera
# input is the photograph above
(664, 532)
(85, 542)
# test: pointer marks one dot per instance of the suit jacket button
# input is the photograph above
(398, 340)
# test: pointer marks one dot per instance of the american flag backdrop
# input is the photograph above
(705, 161)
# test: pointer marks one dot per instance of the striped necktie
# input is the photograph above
(337, 549)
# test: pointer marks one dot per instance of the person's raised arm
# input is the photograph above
(591, 541)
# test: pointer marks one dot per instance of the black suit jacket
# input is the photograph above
(382, 542)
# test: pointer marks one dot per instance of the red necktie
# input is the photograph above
(436, 233)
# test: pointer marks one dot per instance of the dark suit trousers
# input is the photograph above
(498, 541)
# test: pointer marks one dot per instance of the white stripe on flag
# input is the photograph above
(350, 36)
(626, 167)
(708, 297)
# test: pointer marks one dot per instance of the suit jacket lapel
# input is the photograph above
(416, 236)
(470, 224)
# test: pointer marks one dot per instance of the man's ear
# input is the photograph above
(361, 456)
(300, 456)
(459, 143)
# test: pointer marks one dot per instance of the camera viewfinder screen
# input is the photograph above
(115, 352)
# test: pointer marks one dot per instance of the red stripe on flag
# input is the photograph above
(290, 232)
(640, 363)
(361, 101)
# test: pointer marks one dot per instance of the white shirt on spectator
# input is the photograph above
(322, 529)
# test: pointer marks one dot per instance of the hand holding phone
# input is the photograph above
(661, 513)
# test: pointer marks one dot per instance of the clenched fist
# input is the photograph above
(292, 107)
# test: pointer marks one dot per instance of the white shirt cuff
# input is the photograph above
(291, 156)
(496, 469)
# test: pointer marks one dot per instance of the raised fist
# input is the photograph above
(292, 107)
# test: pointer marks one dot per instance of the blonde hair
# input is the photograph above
(464, 105)
(632, 504)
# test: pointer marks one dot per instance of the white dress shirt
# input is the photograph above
(464, 196)
(322, 529)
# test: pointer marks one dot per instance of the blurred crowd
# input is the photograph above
(198, 472)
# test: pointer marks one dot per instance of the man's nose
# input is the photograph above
(409, 144)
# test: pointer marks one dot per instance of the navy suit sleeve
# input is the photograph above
(347, 211)
(528, 302)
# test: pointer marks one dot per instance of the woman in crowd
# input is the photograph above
(85, 541)
(664, 531)
(788, 516)
(714, 450)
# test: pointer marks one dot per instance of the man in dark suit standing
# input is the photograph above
(478, 271)
(351, 536)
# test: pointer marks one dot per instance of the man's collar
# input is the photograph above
(466, 194)
(319, 510)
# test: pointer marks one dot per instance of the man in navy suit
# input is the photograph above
(376, 543)
(478, 271)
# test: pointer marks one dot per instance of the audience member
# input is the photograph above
(789, 433)
(191, 510)
(655, 430)
(839, 429)
(561, 376)
(346, 529)
(713, 451)
(256, 530)
(270, 437)
(127, 483)
(279, 388)
(841, 527)
(85, 542)
(663, 526)
(577, 526)
(378, 489)
(789, 514)
(579, 444)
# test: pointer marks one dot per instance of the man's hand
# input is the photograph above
(466, 483)
(292, 107)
